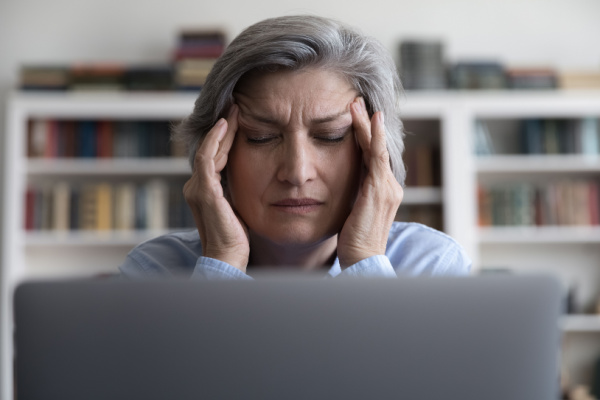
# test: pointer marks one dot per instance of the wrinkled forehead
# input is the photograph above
(312, 95)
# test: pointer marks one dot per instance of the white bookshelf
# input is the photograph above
(108, 167)
(572, 253)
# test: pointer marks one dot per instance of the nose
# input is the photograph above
(297, 161)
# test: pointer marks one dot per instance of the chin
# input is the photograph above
(294, 236)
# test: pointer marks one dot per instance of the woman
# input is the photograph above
(294, 163)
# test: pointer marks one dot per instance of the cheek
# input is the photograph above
(344, 169)
(243, 175)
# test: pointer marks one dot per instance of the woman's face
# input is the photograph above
(293, 170)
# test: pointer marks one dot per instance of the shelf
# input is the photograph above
(89, 238)
(422, 195)
(536, 234)
(113, 166)
(538, 163)
(111, 105)
(581, 323)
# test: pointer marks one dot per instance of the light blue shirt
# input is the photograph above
(412, 249)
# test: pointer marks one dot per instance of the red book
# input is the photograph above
(70, 138)
(50, 151)
(105, 139)
(30, 209)
(199, 52)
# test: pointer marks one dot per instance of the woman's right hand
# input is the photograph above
(223, 235)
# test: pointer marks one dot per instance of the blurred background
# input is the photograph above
(438, 44)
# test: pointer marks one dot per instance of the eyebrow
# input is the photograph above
(316, 121)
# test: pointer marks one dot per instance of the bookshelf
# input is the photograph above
(444, 124)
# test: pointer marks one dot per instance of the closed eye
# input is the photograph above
(330, 139)
(261, 139)
(335, 136)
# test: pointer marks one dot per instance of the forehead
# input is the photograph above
(309, 94)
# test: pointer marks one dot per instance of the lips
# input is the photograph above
(297, 206)
(297, 202)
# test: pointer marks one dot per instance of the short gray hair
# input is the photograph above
(293, 43)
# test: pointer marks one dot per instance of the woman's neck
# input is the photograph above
(265, 253)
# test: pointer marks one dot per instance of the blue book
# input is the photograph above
(589, 136)
(88, 147)
(532, 137)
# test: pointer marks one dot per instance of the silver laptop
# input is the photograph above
(492, 338)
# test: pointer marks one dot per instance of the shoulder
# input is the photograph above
(416, 249)
(169, 254)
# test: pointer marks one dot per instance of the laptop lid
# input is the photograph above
(493, 338)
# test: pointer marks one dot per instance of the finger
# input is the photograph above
(227, 141)
(380, 157)
(362, 127)
(210, 145)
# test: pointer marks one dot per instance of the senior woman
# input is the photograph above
(295, 144)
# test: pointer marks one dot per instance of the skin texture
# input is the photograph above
(308, 175)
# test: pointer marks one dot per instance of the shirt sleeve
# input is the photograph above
(374, 267)
(212, 269)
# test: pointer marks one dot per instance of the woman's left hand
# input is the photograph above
(365, 232)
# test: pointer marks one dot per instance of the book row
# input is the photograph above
(103, 139)
(554, 204)
(64, 206)
(423, 65)
(192, 61)
(545, 136)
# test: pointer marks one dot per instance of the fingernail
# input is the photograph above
(362, 102)
(380, 115)
(220, 122)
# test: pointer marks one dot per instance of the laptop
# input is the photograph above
(470, 338)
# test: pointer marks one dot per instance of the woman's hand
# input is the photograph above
(222, 234)
(366, 229)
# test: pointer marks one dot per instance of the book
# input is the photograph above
(124, 206)
(472, 75)
(88, 207)
(422, 64)
(104, 207)
(104, 139)
(30, 208)
(157, 203)
(44, 77)
(532, 134)
(87, 139)
(37, 138)
(559, 203)
(531, 78)
(61, 204)
(579, 79)
(483, 140)
(589, 136)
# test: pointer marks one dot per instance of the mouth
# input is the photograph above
(298, 206)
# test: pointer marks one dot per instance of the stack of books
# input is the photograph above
(579, 80)
(44, 78)
(474, 75)
(531, 78)
(195, 56)
(422, 65)
(97, 77)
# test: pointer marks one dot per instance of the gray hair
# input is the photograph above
(293, 43)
